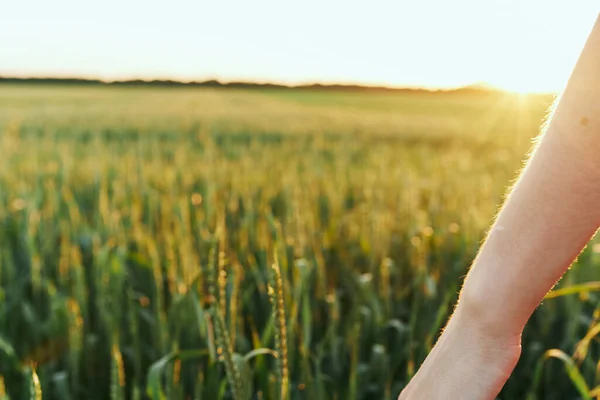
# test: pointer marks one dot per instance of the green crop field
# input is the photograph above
(194, 243)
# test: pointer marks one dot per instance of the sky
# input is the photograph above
(524, 45)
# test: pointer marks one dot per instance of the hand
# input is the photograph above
(466, 363)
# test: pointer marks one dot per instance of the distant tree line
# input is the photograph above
(475, 89)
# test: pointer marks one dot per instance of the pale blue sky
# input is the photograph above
(518, 44)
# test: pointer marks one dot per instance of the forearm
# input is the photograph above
(551, 213)
(548, 218)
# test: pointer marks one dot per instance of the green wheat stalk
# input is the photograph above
(277, 299)
(216, 275)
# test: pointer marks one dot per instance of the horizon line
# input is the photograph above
(215, 82)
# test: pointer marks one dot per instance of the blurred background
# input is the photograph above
(269, 200)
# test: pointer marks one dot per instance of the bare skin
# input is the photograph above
(548, 217)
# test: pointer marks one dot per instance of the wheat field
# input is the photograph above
(193, 243)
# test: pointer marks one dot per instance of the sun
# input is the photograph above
(530, 85)
(523, 91)
(529, 77)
